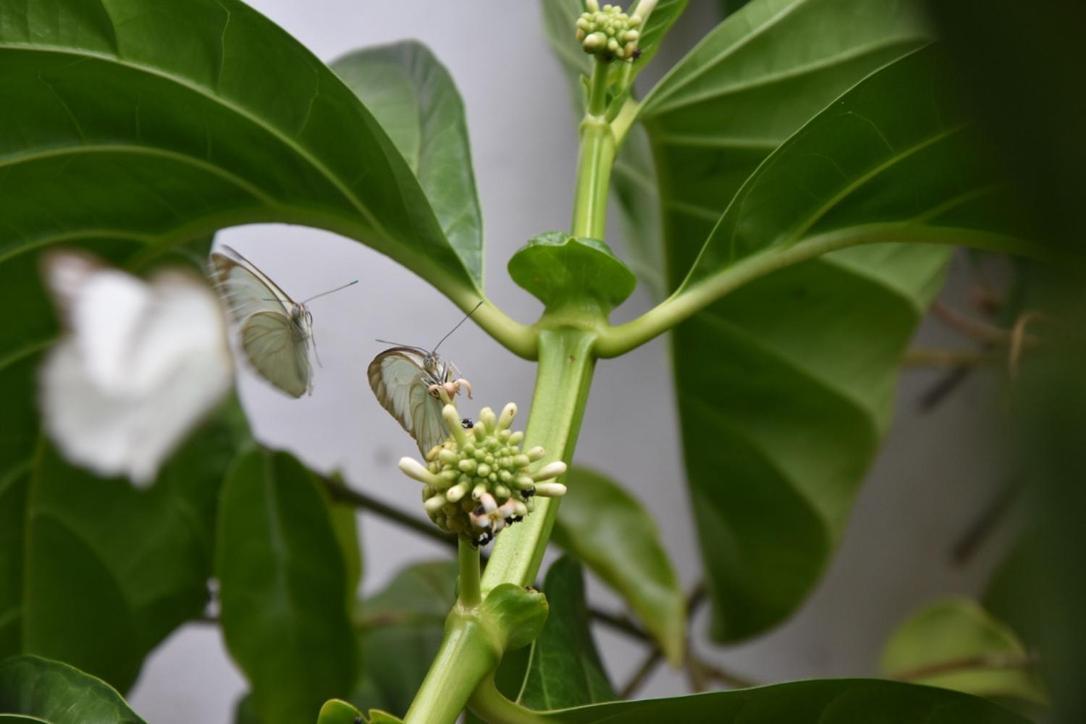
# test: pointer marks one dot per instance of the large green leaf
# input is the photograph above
(414, 99)
(564, 668)
(608, 530)
(830, 701)
(785, 386)
(956, 644)
(162, 120)
(400, 631)
(749, 85)
(50, 691)
(283, 587)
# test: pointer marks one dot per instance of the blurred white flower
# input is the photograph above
(140, 363)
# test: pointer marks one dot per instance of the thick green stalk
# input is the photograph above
(468, 578)
(597, 156)
(565, 348)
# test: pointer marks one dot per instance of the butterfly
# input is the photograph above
(276, 331)
(139, 364)
(414, 384)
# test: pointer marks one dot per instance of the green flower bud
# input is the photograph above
(487, 462)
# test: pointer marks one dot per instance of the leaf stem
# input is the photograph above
(691, 298)
(468, 556)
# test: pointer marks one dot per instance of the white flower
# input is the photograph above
(139, 365)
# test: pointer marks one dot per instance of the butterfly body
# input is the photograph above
(276, 331)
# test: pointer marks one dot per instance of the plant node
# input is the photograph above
(479, 480)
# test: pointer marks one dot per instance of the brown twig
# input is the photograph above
(953, 358)
(343, 494)
(985, 524)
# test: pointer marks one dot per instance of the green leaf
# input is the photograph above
(565, 668)
(162, 122)
(344, 519)
(400, 631)
(956, 644)
(518, 613)
(830, 701)
(749, 85)
(415, 100)
(336, 711)
(560, 270)
(608, 530)
(282, 587)
(57, 693)
(785, 385)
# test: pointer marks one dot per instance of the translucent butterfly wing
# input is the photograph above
(275, 333)
(400, 382)
(277, 348)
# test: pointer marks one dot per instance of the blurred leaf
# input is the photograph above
(401, 629)
(565, 668)
(832, 701)
(956, 644)
(785, 385)
(559, 269)
(336, 711)
(244, 711)
(160, 122)
(345, 527)
(282, 587)
(608, 530)
(57, 693)
(415, 100)
(136, 561)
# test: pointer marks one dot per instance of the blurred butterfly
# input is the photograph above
(139, 364)
(276, 331)
(414, 384)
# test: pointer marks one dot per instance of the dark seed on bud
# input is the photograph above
(467, 423)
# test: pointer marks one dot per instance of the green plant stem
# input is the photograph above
(597, 156)
(466, 656)
(468, 555)
(692, 298)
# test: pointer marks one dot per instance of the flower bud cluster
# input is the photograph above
(479, 481)
(609, 33)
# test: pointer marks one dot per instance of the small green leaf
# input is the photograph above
(383, 717)
(400, 630)
(831, 701)
(565, 668)
(559, 269)
(282, 587)
(57, 693)
(337, 711)
(956, 644)
(415, 100)
(609, 531)
(518, 613)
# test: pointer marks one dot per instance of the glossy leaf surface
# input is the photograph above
(829, 701)
(178, 118)
(400, 631)
(616, 538)
(282, 587)
(415, 100)
(50, 691)
(956, 644)
(559, 270)
(785, 385)
(565, 668)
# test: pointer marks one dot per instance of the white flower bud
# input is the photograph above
(550, 490)
(414, 469)
(550, 470)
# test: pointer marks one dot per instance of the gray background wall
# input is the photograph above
(921, 493)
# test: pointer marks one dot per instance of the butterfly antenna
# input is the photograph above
(330, 291)
(313, 341)
(466, 317)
